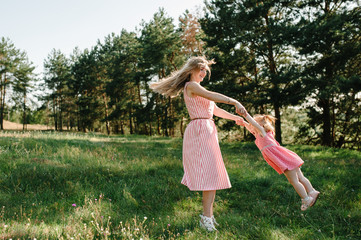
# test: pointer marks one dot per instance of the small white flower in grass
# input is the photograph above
(145, 218)
(319, 230)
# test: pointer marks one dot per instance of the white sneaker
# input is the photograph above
(207, 223)
(214, 221)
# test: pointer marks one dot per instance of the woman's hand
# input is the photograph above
(240, 121)
(240, 109)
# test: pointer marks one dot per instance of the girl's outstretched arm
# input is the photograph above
(248, 127)
(256, 125)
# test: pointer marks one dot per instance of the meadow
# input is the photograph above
(93, 186)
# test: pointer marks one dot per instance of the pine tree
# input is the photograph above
(329, 38)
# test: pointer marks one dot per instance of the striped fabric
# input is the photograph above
(278, 157)
(203, 165)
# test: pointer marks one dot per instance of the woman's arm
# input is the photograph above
(219, 112)
(195, 89)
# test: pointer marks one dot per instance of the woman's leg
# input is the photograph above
(208, 200)
(293, 179)
(304, 181)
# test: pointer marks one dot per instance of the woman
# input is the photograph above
(203, 165)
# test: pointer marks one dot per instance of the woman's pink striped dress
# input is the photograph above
(203, 165)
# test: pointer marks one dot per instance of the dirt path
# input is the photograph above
(17, 126)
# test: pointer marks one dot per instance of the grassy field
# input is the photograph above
(89, 186)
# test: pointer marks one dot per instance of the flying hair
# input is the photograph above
(266, 121)
(172, 85)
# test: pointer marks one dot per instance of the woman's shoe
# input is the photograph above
(207, 223)
(214, 221)
(314, 194)
(306, 203)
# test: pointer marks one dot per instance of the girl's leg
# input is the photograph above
(304, 181)
(293, 179)
(307, 184)
(208, 200)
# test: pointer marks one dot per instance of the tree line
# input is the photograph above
(270, 55)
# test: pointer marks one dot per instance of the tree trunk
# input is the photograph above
(1, 102)
(181, 127)
(326, 119)
(150, 128)
(158, 126)
(78, 118)
(121, 128)
(273, 71)
(278, 122)
(24, 112)
(55, 114)
(3, 93)
(166, 119)
(106, 113)
(130, 121)
(61, 114)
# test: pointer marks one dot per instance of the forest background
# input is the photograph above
(297, 60)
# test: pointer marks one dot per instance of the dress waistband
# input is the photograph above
(270, 145)
(202, 118)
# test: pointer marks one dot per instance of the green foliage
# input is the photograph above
(92, 186)
(273, 56)
(16, 72)
(328, 36)
(56, 78)
(255, 61)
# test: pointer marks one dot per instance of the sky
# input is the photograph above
(38, 26)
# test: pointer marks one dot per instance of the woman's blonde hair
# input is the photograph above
(172, 85)
(266, 121)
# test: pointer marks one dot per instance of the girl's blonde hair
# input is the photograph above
(172, 85)
(266, 121)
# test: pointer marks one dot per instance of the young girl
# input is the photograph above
(281, 159)
(203, 165)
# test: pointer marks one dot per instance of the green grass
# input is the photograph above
(90, 186)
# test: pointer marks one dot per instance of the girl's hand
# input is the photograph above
(240, 121)
(240, 109)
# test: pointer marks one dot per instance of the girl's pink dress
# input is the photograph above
(203, 165)
(280, 158)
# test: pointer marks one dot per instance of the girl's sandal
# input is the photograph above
(314, 194)
(306, 203)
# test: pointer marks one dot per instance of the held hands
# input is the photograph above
(240, 121)
(240, 109)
